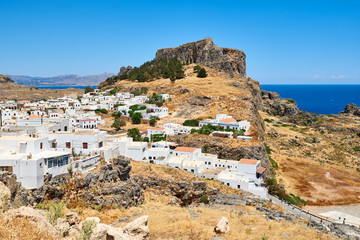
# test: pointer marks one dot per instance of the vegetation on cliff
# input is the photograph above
(155, 69)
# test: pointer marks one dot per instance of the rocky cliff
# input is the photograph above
(205, 52)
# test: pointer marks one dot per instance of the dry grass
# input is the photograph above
(20, 228)
(174, 222)
(319, 184)
(322, 173)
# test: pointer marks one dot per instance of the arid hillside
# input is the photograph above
(317, 156)
(167, 218)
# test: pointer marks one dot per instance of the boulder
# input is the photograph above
(222, 226)
(138, 229)
(35, 217)
(105, 232)
(72, 218)
(63, 227)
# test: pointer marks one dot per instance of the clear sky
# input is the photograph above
(285, 41)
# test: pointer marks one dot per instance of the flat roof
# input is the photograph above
(21, 137)
(80, 132)
(212, 171)
(156, 128)
(192, 163)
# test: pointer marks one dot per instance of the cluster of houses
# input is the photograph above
(62, 135)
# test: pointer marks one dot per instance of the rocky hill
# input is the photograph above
(206, 53)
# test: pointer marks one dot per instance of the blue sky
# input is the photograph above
(285, 41)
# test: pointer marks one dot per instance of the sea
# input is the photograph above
(321, 99)
(64, 87)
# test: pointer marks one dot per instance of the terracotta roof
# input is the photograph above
(34, 116)
(228, 120)
(185, 149)
(157, 128)
(249, 161)
(260, 170)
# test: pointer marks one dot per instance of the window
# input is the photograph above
(68, 145)
(239, 186)
(228, 184)
(85, 145)
(6, 168)
(53, 145)
(57, 161)
(100, 144)
(41, 145)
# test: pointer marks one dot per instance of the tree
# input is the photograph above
(118, 123)
(202, 73)
(136, 118)
(197, 68)
(88, 89)
(153, 120)
(134, 133)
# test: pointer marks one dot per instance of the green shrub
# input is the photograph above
(191, 123)
(136, 118)
(268, 149)
(356, 149)
(118, 123)
(116, 114)
(103, 111)
(204, 199)
(87, 230)
(134, 133)
(153, 120)
(268, 120)
(202, 73)
(88, 89)
(197, 68)
(55, 211)
(273, 163)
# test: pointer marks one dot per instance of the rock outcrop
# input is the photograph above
(281, 107)
(5, 79)
(125, 70)
(205, 52)
(352, 109)
(109, 186)
(183, 193)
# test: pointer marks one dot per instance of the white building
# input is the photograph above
(227, 122)
(29, 158)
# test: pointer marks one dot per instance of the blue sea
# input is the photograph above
(64, 87)
(322, 99)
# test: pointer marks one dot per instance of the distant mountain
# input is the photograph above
(63, 80)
